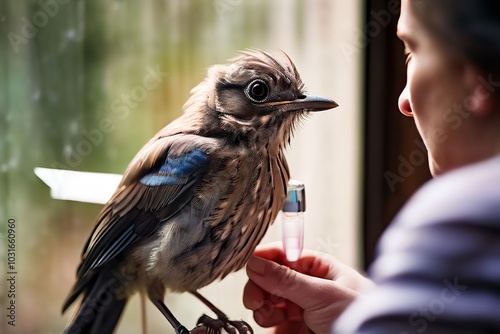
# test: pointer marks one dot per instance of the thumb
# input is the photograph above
(303, 290)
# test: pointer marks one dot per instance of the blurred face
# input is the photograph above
(439, 97)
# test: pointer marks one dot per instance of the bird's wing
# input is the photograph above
(159, 182)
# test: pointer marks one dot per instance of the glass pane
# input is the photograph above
(85, 84)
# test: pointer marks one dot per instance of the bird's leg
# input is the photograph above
(143, 313)
(241, 326)
(179, 329)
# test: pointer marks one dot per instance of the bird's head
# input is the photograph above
(255, 96)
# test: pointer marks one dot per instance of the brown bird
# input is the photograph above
(198, 197)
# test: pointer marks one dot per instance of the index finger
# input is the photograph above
(272, 251)
(310, 263)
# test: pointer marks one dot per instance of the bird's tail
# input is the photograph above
(100, 308)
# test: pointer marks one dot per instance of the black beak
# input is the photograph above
(307, 103)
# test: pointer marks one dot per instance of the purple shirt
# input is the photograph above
(438, 264)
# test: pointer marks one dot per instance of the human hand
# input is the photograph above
(300, 297)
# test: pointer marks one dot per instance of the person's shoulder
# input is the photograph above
(437, 263)
(468, 193)
(446, 226)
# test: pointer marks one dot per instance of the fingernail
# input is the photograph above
(257, 265)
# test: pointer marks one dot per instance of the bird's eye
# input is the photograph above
(257, 91)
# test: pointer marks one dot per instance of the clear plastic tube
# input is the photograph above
(293, 234)
(292, 219)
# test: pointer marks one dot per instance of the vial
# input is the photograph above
(292, 218)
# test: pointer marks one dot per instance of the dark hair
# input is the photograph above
(470, 28)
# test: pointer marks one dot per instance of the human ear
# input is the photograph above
(483, 92)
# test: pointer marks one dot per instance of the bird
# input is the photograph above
(199, 196)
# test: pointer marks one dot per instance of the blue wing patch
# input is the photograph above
(176, 171)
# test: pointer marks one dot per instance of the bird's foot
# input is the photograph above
(211, 326)
(242, 326)
(215, 326)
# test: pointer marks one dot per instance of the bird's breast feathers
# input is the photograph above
(237, 199)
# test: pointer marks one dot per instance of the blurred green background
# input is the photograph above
(73, 96)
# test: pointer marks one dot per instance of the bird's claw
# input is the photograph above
(215, 326)
(242, 326)
(211, 326)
